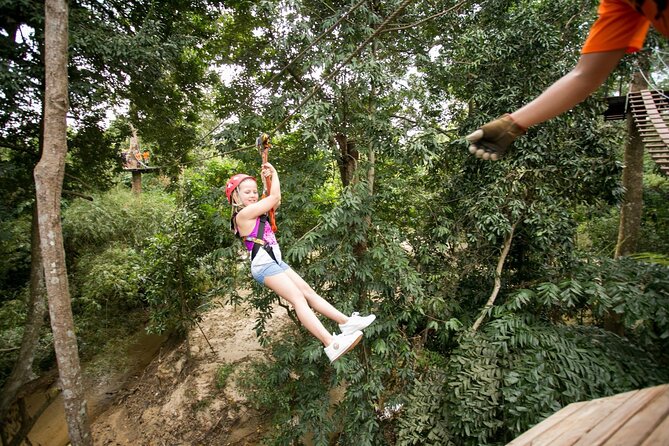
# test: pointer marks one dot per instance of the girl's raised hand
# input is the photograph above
(268, 170)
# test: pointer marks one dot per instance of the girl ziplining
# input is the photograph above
(249, 221)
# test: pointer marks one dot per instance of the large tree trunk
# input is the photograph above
(49, 174)
(37, 312)
(632, 205)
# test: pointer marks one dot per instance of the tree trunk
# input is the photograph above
(348, 158)
(22, 371)
(49, 174)
(632, 205)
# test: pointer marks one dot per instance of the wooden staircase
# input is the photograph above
(651, 115)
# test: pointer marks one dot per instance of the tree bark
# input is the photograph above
(49, 174)
(348, 158)
(632, 205)
(22, 372)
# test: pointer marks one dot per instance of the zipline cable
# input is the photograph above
(314, 42)
(292, 61)
(360, 47)
(319, 86)
(427, 19)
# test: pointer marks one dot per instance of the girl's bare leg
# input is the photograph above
(284, 286)
(316, 302)
(590, 72)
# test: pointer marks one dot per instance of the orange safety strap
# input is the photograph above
(264, 145)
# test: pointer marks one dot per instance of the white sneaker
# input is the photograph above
(342, 343)
(356, 322)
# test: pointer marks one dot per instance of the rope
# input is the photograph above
(652, 85)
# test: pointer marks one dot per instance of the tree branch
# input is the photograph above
(498, 277)
(17, 148)
(308, 232)
(79, 180)
(418, 124)
(426, 19)
(291, 313)
(10, 349)
(78, 194)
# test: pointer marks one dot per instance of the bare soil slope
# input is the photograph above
(176, 401)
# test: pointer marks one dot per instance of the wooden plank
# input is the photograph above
(652, 131)
(538, 429)
(643, 423)
(581, 422)
(604, 430)
(660, 436)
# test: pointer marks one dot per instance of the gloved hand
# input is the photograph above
(493, 139)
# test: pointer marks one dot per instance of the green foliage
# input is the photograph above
(104, 241)
(541, 352)
(13, 313)
(223, 372)
(202, 191)
(652, 257)
(92, 158)
(654, 235)
(15, 234)
(109, 281)
(12, 317)
(635, 293)
(598, 231)
(117, 216)
(499, 383)
(176, 278)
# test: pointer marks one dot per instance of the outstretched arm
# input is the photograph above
(573, 88)
(493, 139)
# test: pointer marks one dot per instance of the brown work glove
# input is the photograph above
(493, 139)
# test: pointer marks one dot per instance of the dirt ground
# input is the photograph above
(177, 402)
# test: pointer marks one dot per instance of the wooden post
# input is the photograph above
(136, 182)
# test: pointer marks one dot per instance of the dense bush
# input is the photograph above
(176, 277)
(500, 382)
(14, 255)
(541, 351)
(115, 216)
(109, 281)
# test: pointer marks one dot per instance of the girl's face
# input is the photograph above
(248, 192)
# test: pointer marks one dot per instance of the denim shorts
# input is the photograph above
(269, 269)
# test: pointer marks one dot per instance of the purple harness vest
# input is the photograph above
(268, 237)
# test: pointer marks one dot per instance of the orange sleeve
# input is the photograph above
(657, 11)
(618, 26)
